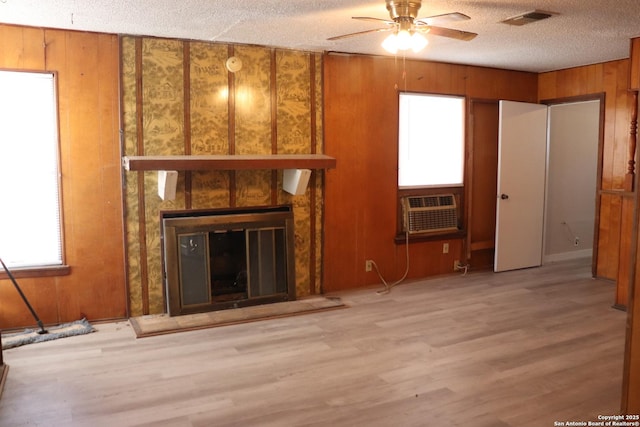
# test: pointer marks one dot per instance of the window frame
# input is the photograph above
(46, 270)
(458, 190)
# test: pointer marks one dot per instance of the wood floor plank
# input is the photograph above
(522, 348)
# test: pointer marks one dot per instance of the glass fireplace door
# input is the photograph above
(194, 269)
(227, 258)
(267, 261)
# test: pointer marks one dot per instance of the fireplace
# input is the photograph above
(227, 258)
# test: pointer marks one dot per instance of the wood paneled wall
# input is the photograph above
(361, 109)
(616, 204)
(179, 99)
(87, 67)
(634, 72)
(631, 375)
(482, 183)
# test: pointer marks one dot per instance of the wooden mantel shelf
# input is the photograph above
(228, 162)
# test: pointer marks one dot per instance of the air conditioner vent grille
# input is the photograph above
(529, 17)
(431, 201)
(429, 213)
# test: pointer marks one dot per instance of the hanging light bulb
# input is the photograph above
(390, 44)
(403, 40)
(418, 42)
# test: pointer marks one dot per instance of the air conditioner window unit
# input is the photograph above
(423, 214)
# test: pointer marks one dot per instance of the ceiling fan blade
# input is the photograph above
(367, 18)
(359, 33)
(451, 33)
(445, 17)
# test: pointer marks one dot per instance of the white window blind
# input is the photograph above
(30, 230)
(430, 140)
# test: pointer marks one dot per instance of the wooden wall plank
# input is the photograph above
(22, 48)
(548, 86)
(631, 373)
(609, 236)
(624, 279)
(88, 65)
(482, 182)
(623, 121)
(634, 70)
(358, 198)
(609, 85)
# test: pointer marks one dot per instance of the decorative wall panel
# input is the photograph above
(132, 212)
(188, 103)
(209, 94)
(294, 111)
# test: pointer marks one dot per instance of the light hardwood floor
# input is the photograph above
(523, 348)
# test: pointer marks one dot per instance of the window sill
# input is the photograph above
(401, 238)
(49, 271)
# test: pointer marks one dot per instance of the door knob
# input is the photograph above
(504, 196)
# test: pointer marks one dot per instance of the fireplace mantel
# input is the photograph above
(228, 162)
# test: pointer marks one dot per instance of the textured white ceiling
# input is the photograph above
(584, 32)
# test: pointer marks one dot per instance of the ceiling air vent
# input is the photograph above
(529, 17)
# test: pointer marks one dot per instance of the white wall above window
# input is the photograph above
(430, 140)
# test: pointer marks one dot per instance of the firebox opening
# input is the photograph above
(228, 262)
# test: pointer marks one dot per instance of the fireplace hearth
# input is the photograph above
(226, 258)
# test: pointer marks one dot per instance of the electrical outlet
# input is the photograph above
(445, 248)
(576, 241)
(368, 265)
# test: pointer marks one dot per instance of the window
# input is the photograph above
(30, 222)
(431, 140)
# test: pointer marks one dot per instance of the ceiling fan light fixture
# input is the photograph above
(404, 40)
(405, 27)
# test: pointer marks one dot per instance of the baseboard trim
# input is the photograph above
(566, 256)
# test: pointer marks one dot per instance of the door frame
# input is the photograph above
(480, 251)
(596, 225)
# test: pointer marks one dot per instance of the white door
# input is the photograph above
(522, 148)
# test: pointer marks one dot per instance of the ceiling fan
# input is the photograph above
(407, 31)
